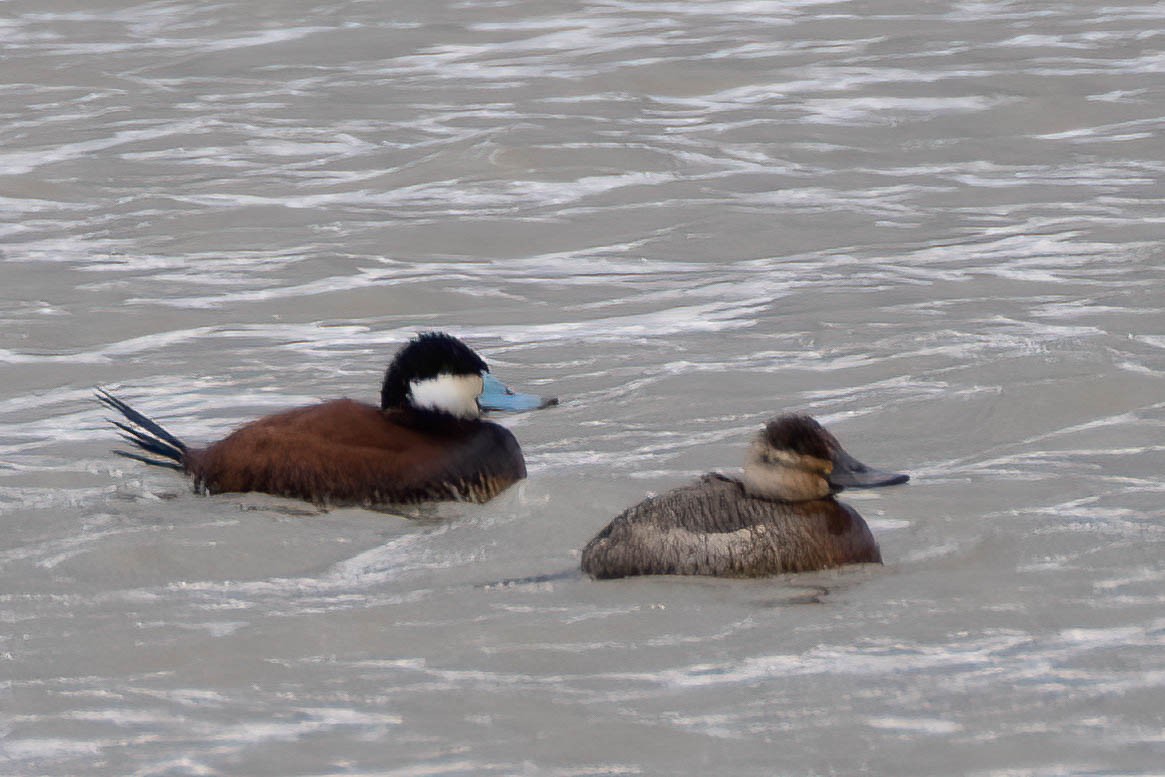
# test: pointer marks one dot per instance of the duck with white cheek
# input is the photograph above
(426, 441)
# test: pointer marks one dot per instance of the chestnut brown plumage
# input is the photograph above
(346, 452)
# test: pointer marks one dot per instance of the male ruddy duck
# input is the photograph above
(426, 442)
(779, 517)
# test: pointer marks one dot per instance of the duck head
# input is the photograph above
(438, 373)
(794, 459)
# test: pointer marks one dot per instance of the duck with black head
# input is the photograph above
(781, 516)
(427, 441)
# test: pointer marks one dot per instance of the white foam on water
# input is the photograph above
(681, 218)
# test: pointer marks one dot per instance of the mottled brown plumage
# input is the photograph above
(781, 517)
(713, 527)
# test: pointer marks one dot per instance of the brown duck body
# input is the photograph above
(345, 452)
(426, 441)
(713, 527)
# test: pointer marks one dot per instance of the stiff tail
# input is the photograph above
(146, 433)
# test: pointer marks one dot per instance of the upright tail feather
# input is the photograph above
(145, 433)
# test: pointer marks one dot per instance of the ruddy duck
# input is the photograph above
(779, 517)
(426, 441)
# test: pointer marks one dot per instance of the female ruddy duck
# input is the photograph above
(779, 517)
(426, 442)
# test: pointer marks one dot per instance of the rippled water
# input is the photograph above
(935, 226)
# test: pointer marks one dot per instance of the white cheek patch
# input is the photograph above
(455, 395)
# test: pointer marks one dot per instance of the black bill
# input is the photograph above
(848, 472)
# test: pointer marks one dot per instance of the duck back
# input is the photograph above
(351, 453)
(713, 527)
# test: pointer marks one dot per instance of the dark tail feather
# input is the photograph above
(566, 574)
(148, 460)
(146, 433)
(145, 441)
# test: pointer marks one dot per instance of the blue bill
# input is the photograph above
(497, 396)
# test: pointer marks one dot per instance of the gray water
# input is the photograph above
(935, 226)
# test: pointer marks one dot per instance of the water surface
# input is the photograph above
(936, 227)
